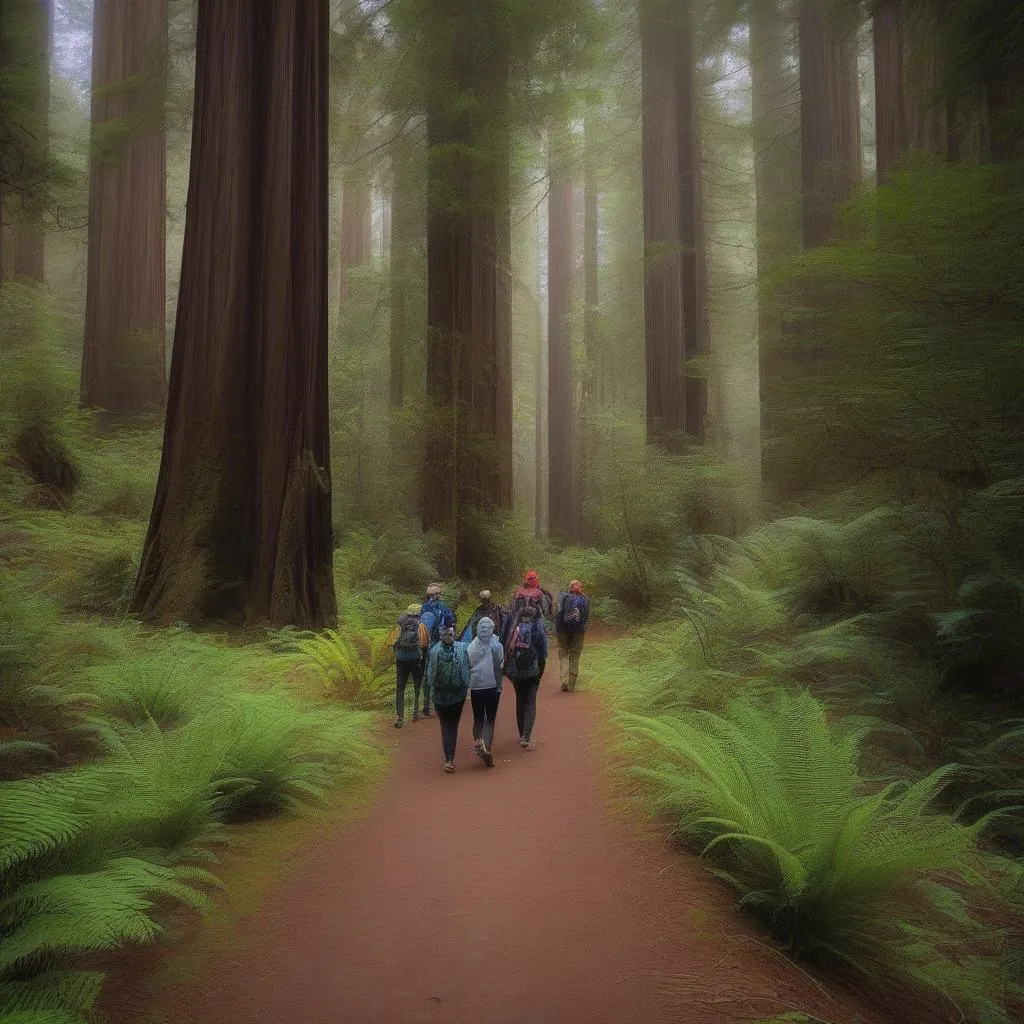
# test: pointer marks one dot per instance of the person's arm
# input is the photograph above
(431, 669)
(542, 653)
(585, 617)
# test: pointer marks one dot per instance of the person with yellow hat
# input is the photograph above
(410, 641)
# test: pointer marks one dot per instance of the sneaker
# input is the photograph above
(488, 758)
(478, 748)
(524, 742)
(565, 689)
(415, 716)
(449, 766)
(399, 723)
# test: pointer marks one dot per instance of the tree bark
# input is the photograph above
(241, 523)
(890, 104)
(663, 300)
(829, 121)
(123, 353)
(562, 518)
(468, 461)
(356, 234)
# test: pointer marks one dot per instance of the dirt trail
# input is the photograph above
(509, 895)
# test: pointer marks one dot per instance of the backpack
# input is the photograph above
(408, 641)
(446, 678)
(573, 608)
(524, 654)
(430, 619)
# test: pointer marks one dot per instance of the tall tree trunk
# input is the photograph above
(591, 296)
(692, 266)
(663, 302)
(123, 352)
(402, 229)
(890, 105)
(356, 231)
(468, 464)
(241, 524)
(540, 395)
(561, 405)
(27, 54)
(829, 120)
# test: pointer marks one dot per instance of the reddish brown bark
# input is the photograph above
(890, 105)
(663, 300)
(356, 223)
(123, 352)
(562, 513)
(829, 120)
(241, 523)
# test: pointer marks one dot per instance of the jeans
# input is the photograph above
(403, 670)
(485, 710)
(526, 705)
(570, 647)
(448, 716)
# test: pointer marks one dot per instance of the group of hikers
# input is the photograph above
(496, 643)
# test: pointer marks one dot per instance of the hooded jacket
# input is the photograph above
(486, 658)
(456, 651)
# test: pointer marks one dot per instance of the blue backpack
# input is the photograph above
(573, 610)
(524, 654)
(430, 620)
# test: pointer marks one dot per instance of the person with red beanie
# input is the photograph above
(532, 594)
(570, 625)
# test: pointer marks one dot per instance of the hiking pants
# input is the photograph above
(448, 715)
(403, 670)
(426, 687)
(485, 710)
(526, 705)
(570, 647)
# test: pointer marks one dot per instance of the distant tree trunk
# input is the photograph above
(123, 352)
(692, 267)
(561, 406)
(591, 296)
(28, 55)
(540, 396)
(241, 524)
(402, 229)
(829, 120)
(356, 231)
(663, 301)
(468, 464)
(890, 106)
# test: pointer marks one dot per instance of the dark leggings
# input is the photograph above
(485, 711)
(526, 705)
(403, 670)
(449, 717)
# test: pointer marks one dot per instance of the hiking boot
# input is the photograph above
(426, 713)
(399, 723)
(524, 742)
(478, 748)
(565, 688)
(449, 766)
(415, 716)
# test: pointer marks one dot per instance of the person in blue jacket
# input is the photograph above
(525, 657)
(448, 677)
(437, 617)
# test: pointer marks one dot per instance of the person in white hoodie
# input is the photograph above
(486, 660)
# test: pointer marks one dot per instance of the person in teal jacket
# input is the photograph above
(448, 680)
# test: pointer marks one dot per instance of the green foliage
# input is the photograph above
(875, 883)
(354, 667)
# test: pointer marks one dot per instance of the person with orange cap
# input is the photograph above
(570, 626)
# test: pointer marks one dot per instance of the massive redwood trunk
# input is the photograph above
(468, 458)
(26, 56)
(829, 120)
(123, 352)
(663, 299)
(241, 523)
(562, 511)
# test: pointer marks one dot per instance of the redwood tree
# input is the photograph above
(562, 511)
(241, 523)
(663, 299)
(829, 118)
(123, 349)
(356, 239)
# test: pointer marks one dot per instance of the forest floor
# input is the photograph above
(523, 893)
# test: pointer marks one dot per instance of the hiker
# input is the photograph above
(570, 626)
(436, 616)
(448, 678)
(410, 642)
(485, 609)
(524, 664)
(531, 595)
(486, 657)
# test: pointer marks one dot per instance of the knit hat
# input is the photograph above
(575, 587)
(485, 595)
(434, 588)
(531, 576)
(413, 609)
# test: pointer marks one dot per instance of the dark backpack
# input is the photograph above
(574, 607)
(430, 619)
(447, 677)
(524, 654)
(408, 641)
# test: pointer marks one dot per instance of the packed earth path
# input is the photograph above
(518, 894)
